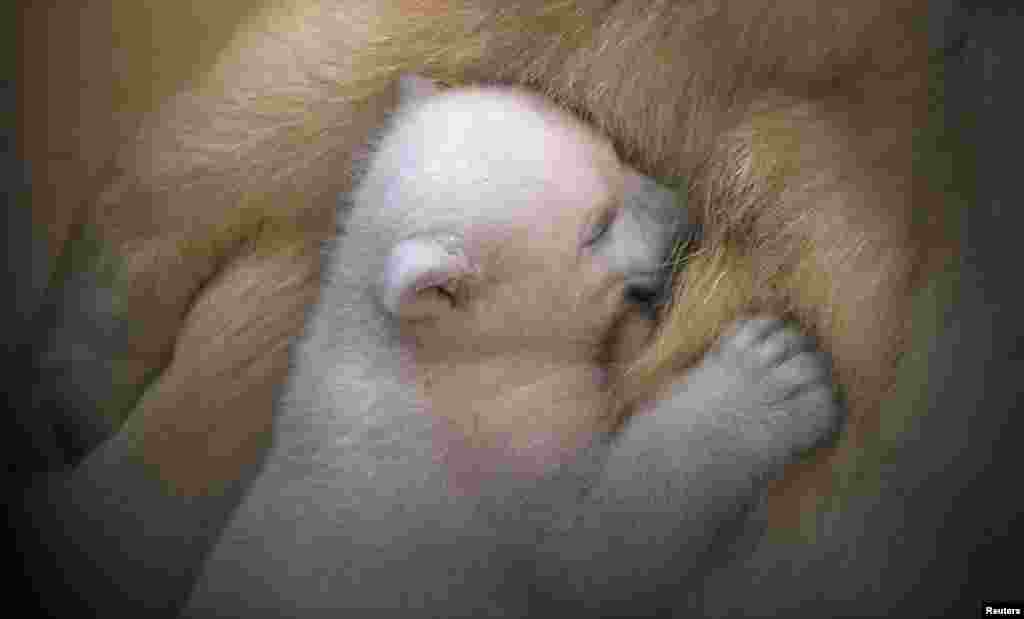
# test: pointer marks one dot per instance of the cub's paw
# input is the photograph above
(767, 382)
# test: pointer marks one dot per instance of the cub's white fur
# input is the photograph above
(435, 453)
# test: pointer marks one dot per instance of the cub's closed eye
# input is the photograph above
(600, 227)
(448, 292)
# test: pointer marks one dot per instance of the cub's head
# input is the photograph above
(515, 224)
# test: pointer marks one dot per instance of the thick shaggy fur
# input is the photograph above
(203, 199)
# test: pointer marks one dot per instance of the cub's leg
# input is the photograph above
(694, 460)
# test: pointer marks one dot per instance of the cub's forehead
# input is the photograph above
(472, 118)
(474, 129)
(493, 149)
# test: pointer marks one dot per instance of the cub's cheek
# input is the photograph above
(601, 286)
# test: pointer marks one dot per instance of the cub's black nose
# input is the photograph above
(642, 293)
(646, 293)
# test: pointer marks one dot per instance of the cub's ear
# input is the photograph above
(421, 278)
(413, 88)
